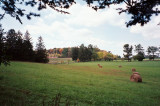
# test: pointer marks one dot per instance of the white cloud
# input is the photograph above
(86, 16)
(74, 29)
(60, 30)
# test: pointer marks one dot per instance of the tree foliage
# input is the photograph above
(139, 56)
(140, 52)
(65, 52)
(139, 48)
(41, 53)
(13, 43)
(28, 48)
(140, 10)
(4, 59)
(128, 51)
(151, 52)
(74, 53)
(82, 53)
(15, 46)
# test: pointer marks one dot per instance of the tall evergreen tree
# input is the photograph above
(94, 53)
(41, 53)
(75, 53)
(19, 47)
(14, 43)
(28, 47)
(11, 43)
(90, 52)
(81, 53)
(4, 59)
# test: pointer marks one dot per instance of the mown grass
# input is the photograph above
(85, 83)
(60, 60)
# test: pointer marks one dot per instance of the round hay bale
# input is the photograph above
(136, 73)
(133, 70)
(120, 66)
(136, 78)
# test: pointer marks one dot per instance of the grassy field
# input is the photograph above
(84, 84)
(60, 60)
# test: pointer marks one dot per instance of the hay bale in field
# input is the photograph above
(136, 73)
(100, 66)
(120, 66)
(135, 77)
(133, 70)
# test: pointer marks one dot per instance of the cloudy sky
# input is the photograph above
(105, 28)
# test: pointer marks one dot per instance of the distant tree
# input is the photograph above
(41, 53)
(19, 47)
(100, 55)
(65, 52)
(60, 50)
(4, 59)
(105, 55)
(74, 53)
(119, 57)
(11, 43)
(94, 56)
(151, 52)
(28, 47)
(140, 53)
(94, 53)
(27, 36)
(15, 46)
(84, 53)
(90, 51)
(87, 54)
(139, 48)
(109, 56)
(54, 50)
(57, 50)
(81, 53)
(114, 57)
(69, 52)
(128, 51)
(96, 49)
(139, 56)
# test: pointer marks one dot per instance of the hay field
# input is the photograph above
(81, 84)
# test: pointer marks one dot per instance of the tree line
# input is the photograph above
(82, 53)
(91, 53)
(18, 47)
(152, 52)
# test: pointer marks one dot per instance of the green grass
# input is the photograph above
(83, 83)
(60, 60)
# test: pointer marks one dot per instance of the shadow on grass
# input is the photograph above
(18, 97)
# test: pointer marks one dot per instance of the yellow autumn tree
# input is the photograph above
(100, 55)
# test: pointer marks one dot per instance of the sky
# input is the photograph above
(104, 28)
